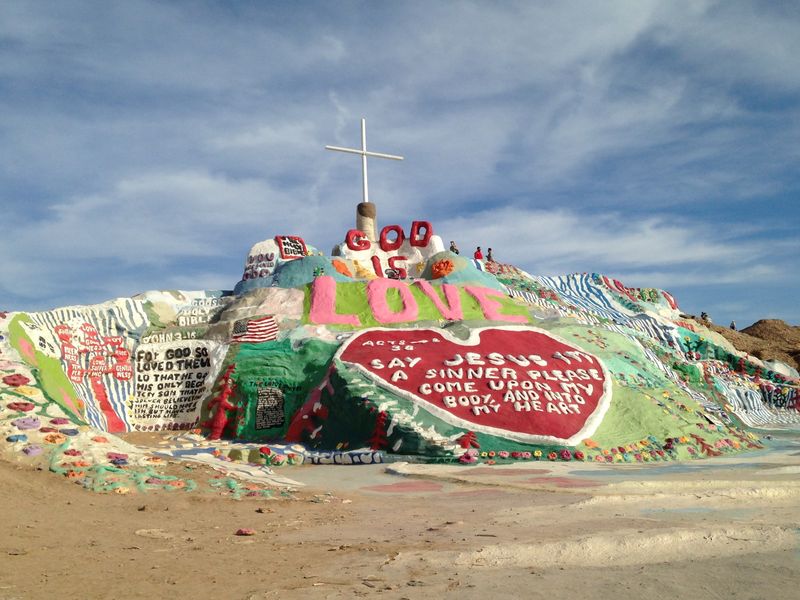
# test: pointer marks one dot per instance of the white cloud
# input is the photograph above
(560, 240)
(628, 137)
(153, 223)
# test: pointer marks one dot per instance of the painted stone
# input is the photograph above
(15, 380)
(55, 438)
(33, 450)
(521, 383)
(18, 437)
(26, 423)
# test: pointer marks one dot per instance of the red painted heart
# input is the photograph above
(519, 383)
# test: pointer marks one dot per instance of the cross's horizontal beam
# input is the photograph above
(364, 153)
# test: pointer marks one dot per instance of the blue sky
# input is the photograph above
(148, 145)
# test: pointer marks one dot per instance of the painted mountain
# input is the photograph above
(395, 345)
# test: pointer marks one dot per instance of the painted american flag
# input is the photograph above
(247, 331)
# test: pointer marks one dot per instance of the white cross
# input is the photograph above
(364, 154)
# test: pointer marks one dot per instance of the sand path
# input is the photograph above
(707, 529)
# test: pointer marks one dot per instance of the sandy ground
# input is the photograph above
(724, 528)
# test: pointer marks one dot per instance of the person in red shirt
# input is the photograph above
(478, 254)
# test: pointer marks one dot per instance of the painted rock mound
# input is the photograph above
(393, 347)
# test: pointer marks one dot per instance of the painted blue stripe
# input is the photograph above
(580, 290)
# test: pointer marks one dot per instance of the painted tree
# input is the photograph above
(469, 440)
(378, 440)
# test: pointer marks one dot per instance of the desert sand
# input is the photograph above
(723, 528)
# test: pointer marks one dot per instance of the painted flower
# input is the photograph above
(638, 457)
(503, 454)
(341, 268)
(552, 456)
(484, 454)
(691, 450)
(469, 457)
(442, 268)
(491, 454)
(566, 454)
(516, 454)
(265, 450)
(491, 462)
(15, 380)
(277, 459)
(537, 454)
(627, 457)
(579, 455)
(599, 458)
(526, 455)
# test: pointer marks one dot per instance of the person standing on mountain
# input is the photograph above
(453, 248)
(489, 256)
(478, 254)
